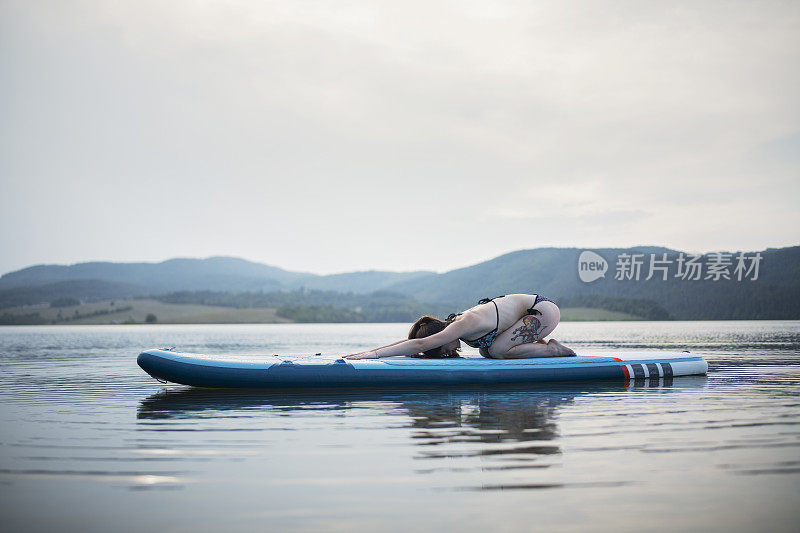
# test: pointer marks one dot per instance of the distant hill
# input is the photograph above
(549, 271)
(80, 289)
(213, 274)
(361, 282)
(553, 272)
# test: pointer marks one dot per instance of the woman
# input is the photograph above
(506, 327)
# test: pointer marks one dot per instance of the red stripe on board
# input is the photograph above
(603, 356)
(625, 371)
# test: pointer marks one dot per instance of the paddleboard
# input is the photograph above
(300, 373)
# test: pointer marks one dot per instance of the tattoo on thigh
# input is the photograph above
(528, 331)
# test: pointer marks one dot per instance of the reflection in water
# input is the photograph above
(426, 406)
(512, 427)
(519, 423)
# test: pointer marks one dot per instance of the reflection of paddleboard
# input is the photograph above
(263, 372)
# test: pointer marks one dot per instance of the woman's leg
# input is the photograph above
(524, 339)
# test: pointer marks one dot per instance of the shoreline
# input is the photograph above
(150, 311)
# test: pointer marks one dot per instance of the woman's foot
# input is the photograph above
(560, 348)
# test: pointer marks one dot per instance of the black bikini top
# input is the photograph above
(530, 311)
(486, 340)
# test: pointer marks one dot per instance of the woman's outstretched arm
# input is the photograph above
(414, 346)
(353, 356)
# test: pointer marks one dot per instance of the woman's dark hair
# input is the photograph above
(425, 326)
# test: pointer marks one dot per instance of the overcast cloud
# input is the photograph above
(337, 136)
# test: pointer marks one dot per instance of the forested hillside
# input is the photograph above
(649, 282)
(775, 294)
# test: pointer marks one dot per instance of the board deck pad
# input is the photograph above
(278, 372)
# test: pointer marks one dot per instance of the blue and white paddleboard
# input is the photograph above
(273, 372)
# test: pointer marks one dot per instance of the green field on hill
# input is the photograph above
(588, 314)
(136, 312)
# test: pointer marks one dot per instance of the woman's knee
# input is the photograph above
(490, 352)
(548, 318)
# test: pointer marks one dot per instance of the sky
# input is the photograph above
(328, 136)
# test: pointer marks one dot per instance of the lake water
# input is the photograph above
(88, 442)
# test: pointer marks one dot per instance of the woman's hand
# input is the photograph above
(372, 354)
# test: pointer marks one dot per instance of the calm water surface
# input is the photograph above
(88, 442)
